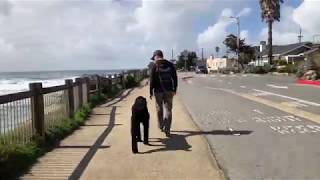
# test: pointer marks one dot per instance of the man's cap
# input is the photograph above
(157, 53)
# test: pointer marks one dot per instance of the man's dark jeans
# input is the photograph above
(164, 101)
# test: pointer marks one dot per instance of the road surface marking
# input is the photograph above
(257, 111)
(288, 97)
(294, 104)
(229, 83)
(260, 94)
(220, 80)
(276, 119)
(279, 87)
(297, 112)
(296, 129)
(243, 87)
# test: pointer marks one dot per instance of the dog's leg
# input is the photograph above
(146, 132)
(134, 145)
(138, 133)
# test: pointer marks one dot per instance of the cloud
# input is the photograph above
(215, 35)
(244, 12)
(58, 34)
(5, 7)
(306, 15)
(292, 19)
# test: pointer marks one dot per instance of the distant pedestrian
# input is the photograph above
(163, 84)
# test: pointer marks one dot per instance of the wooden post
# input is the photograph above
(115, 78)
(69, 84)
(87, 80)
(98, 86)
(80, 90)
(122, 81)
(37, 108)
(109, 83)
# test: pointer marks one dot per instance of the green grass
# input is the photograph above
(15, 159)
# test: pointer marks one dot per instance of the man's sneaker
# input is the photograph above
(161, 128)
(168, 133)
(146, 142)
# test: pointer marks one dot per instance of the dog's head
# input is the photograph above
(140, 103)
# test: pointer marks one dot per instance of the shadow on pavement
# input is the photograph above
(121, 98)
(215, 132)
(76, 174)
(102, 125)
(176, 142)
(80, 147)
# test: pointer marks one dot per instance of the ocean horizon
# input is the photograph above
(12, 82)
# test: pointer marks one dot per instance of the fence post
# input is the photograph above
(109, 83)
(99, 85)
(87, 80)
(37, 108)
(69, 84)
(122, 81)
(80, 90)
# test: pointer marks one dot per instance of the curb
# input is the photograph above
(308, 82)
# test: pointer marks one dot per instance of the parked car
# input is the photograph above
(201, 69)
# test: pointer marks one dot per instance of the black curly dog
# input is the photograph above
(140, 114)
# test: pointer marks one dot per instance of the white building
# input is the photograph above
(216, 64)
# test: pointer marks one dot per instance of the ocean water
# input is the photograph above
(12, 82)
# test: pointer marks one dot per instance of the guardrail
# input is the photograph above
(26, 114)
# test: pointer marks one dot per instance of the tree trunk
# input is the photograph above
(270, 41)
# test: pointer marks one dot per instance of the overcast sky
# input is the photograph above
(86, 34)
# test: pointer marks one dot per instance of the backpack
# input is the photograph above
(164, 72)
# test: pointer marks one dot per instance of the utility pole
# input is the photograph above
(202, 54)
(172, 54)
(300, 36)
(238, 37)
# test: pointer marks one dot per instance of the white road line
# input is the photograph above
(288, 97)
(243, 87)
(229, 83)
(279, 87)
(258, 111)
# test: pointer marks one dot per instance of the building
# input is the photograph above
(216, 64)
(289, 53)
(313, 58)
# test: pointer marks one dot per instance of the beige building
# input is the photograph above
(216, 64)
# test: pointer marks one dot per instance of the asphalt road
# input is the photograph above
(259, 127)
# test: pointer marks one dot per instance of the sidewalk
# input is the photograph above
(102, 148)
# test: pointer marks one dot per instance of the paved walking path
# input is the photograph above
(102, 148)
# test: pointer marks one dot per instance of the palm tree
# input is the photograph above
(217, 50)
(270, 12)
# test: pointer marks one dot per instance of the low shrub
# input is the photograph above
(16, 158)
(289, 68)
(131, 82)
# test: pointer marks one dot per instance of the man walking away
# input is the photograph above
(163, 84)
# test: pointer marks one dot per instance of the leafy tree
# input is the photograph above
(246, 52)
(270, 12)
(187, 58)
(217, 50)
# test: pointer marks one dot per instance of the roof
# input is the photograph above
(285, 49)
(312, 50)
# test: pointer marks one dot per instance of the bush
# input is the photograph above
(16, 158)
(130, 82)
(289, 68)
(258, 70)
